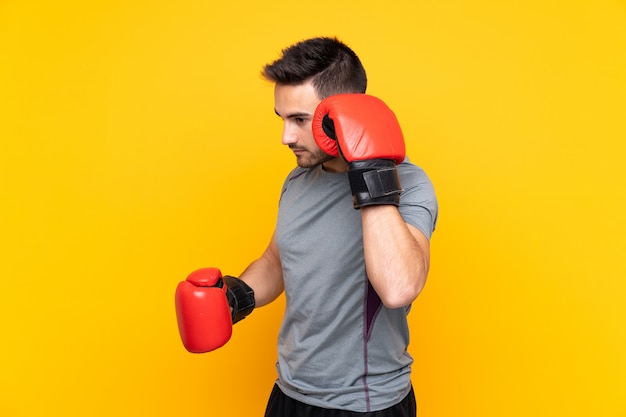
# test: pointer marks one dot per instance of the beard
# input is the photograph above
(311, 159)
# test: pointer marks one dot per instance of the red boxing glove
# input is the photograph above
(366, 134)
(202, 310)
(207, 306)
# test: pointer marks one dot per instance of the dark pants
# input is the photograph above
(279, 405)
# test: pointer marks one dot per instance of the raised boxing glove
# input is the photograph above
(207, 305)
(364, 132)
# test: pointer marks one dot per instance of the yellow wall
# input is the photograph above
(138, 143)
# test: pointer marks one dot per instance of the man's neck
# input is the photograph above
(335, 165)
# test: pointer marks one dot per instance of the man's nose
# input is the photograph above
(289, 135)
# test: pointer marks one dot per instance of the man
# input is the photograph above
(351, 244)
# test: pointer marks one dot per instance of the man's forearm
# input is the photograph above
(265, 276)
(396, 255)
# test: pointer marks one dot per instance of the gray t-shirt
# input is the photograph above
(338, 346)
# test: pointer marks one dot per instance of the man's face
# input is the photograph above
(296, 104)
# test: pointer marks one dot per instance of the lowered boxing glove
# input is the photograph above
(207, 305)
(364, 132)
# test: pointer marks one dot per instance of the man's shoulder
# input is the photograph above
(297, 171)
(407, 167)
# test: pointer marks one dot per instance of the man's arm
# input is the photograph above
(265, 275)
(397, 255)
(365, 133)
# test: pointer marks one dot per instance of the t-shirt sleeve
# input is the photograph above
(418, 201)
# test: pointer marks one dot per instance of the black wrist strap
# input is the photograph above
(382, 182)
(240, 297)
(374, 182)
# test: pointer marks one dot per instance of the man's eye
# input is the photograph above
(300, 120)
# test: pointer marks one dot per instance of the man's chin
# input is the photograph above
(306, 163)
(312, 159)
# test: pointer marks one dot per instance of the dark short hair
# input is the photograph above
(330, 64)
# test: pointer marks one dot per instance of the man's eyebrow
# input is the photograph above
(293, 115)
